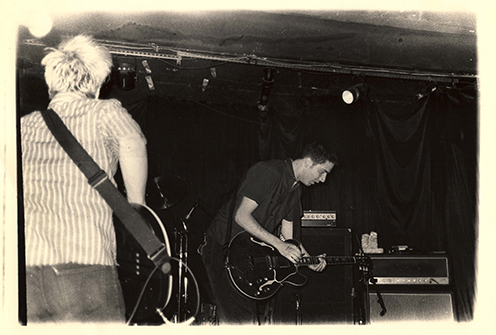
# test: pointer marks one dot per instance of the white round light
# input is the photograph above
(348, 97)
(40, 24)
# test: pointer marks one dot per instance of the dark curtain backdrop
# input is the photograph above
(425, 163)
(454, 156)
(407, 167)
(406, 171)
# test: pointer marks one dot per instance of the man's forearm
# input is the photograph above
(248, 223)
(134, 166)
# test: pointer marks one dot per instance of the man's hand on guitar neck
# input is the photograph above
(321, 266)
(287, 232)
(315, 267)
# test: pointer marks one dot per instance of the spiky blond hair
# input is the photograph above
(77, 65)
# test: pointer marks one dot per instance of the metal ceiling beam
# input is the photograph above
(177, 54)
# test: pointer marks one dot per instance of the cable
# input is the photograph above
(197, 290)
(158, 310)
(140, 296)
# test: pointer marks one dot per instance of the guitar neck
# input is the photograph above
(330, 260)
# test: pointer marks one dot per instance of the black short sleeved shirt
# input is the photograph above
(272, 185)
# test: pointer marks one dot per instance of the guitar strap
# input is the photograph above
(98, 179)
(230, 224)
(297, 221)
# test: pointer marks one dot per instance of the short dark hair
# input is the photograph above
(319, 153)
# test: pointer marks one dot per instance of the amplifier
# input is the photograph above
(410, 270)
(319, 219)
(412, 307)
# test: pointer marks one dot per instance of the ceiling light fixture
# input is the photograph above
(267, 83)
(127, 76)
(354, 93)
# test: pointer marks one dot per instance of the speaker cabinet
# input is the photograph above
(411, 307)
(327, 297)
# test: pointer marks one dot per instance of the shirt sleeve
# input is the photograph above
(117, 123)
(260, 180)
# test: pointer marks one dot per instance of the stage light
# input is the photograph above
(39, 23)
(267, 83)
(354, 93)
(127, 76)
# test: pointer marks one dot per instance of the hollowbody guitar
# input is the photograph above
(135, 269)
(258, 271)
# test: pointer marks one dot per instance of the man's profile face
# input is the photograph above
(315, 173)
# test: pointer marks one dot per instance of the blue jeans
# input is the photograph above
(74, 293)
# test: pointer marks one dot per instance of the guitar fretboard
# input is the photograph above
(330, 260)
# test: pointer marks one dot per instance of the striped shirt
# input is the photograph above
(67, 221)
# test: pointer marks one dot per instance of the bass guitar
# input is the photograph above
(145, 288)
(257, 270)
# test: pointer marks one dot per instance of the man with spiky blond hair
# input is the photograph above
(70, 242)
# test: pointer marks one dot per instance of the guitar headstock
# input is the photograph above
(364, 262)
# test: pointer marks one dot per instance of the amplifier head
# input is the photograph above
(319, 219)
(410, 270)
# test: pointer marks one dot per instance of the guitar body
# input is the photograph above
(257, 269)
(135, 269)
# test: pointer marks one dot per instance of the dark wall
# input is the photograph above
(208, 138)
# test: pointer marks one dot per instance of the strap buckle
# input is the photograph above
(161, 259)
(97, 178)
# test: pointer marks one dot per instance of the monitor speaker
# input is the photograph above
(411, 307)
(327, 297)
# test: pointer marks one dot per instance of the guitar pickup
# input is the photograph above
(268, 262)
(272, 262)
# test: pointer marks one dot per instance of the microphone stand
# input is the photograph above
(182, 251)
(379, 296)
(369, 277)
(366, 267)
(298, 308)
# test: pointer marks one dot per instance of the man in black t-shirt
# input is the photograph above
(264, 207)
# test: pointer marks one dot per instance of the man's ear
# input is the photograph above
(308, 162)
